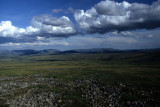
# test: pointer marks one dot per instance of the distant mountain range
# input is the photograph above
(54, 51)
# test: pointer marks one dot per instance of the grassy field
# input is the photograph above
(138, 70)
(127, 67)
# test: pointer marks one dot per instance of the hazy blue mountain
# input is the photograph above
(54, 51)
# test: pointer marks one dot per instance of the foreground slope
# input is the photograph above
(80, 79)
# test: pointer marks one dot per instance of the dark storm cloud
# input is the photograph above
(4, 40)
(109, 16)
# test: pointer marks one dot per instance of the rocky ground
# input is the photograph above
(41, 91)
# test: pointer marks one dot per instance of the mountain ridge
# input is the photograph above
(55, 51)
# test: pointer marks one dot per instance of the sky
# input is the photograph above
(79, 24)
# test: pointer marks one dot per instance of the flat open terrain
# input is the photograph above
(76, 80)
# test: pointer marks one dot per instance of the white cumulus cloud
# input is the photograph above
(51, 26)
(42, 26)
(109, 16)
(8, 30)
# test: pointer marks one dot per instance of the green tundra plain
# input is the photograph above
(138, 71)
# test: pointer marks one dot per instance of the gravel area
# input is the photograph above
(51, 92)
